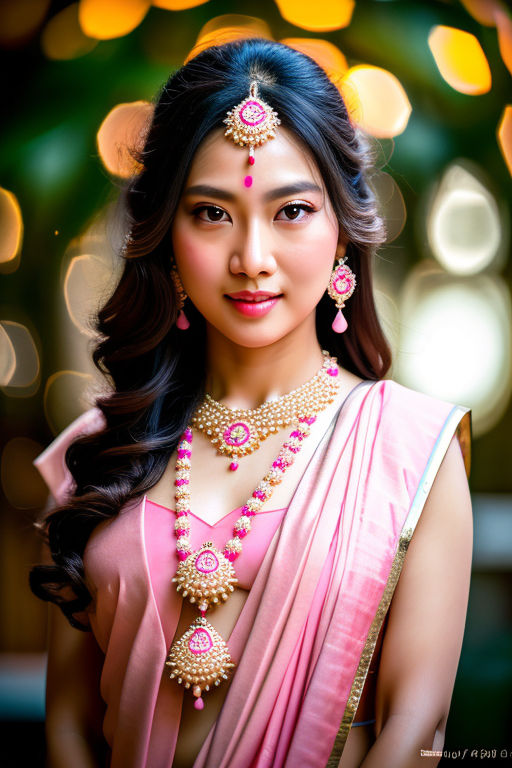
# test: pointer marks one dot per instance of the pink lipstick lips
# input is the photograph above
(253, 303)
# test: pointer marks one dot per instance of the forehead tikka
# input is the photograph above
(251, 123)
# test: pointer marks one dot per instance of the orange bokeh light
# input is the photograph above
(504, 135)
(123, 130)
(11, 226)
(177, 5)
(460, 60)
(228, 27)
(482, 10)
(376, 101)
(326, 55)
(319, 16)
(63, 39)
(504, 27)
(106, 19)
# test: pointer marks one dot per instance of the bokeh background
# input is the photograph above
(429, 83)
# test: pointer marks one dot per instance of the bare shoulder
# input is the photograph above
(423, 639)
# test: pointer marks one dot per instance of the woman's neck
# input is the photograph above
(245, 377)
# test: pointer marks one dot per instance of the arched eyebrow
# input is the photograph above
(288, 190)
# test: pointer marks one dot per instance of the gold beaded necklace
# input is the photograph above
(200, 659)
(237, 432)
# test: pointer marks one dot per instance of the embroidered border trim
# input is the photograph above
(457, 422)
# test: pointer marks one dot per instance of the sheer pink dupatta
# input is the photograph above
(326, 582)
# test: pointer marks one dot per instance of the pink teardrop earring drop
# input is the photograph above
(341, 287)
(182, 320)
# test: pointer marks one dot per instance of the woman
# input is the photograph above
(282, 504)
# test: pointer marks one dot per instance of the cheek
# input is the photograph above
(311, 262)
(194, 263)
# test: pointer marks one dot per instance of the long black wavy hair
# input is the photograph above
(154, 384)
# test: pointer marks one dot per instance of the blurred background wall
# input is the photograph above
(429, 82)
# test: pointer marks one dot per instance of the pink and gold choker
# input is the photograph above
(236, 432)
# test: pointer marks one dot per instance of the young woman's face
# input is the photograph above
(255, 260)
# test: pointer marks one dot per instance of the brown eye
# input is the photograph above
(214, 214)
(293, 211)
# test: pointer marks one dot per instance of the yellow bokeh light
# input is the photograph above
(460, 60)
(66, 395)
(319, 16)
(20, 19)
(7, 357)
(225, 29)
(11, 226)
(63, 39)
(376, 101)
(122, 131)
(177, 5)
(504, 134)
(326, 55)
(87, 284)
(504, 27)
(106, 19)
(25, 376)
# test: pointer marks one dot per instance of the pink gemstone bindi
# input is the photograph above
(248, 181)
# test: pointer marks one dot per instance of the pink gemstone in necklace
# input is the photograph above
(237, 434)
(207, 562)
(233, 466)
(200, 642)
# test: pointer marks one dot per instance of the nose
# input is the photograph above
(252, 255)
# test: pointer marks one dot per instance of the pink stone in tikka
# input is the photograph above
(233, 466)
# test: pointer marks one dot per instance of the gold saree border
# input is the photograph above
(458, 421)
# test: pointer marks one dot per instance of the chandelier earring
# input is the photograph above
(341, 287)
(182, 321)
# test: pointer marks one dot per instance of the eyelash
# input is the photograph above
(303, 206)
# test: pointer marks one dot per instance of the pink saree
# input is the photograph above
(306, 634)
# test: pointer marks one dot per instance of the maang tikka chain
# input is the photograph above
(251, 123)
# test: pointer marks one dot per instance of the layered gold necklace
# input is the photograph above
(236, 432)
(200, 659)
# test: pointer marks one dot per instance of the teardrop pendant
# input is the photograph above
(199, 659)
(339, 323)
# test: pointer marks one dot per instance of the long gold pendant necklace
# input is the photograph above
(200, 659)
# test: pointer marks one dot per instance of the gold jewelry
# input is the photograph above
(252, 122)
(341, 287)
(200, 659)
(182, 321)
(237, 432)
